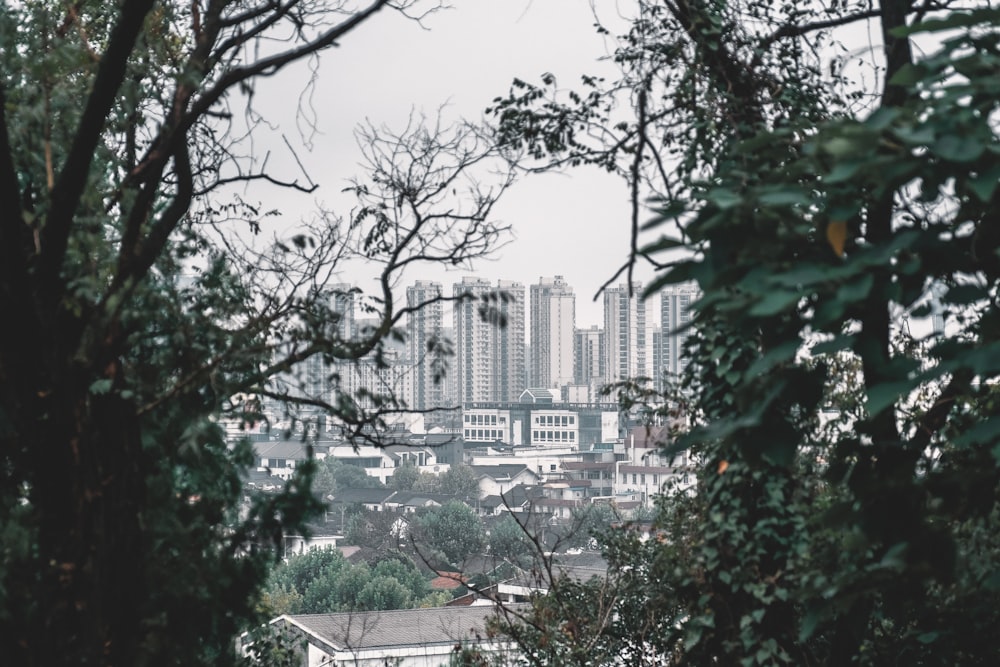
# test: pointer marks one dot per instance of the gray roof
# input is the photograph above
(404, 627)
(502, 471)
(366, 496)
(281, 449)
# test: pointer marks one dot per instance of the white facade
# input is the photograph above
(628, 336)
(675, 313)
(552, 322)
(486, 425)
(423, 325)
(589, 357)
(555, 427)
(489, 358)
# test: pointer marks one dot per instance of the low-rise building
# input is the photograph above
(406, 638)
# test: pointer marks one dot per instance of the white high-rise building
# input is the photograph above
(589, 360)
(675, 314)
(628, 336)
(553, 317)
(489, 352)
(424, 325)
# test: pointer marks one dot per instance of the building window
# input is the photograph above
(552, 467)
(633, 478)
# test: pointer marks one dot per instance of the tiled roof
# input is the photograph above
(281, 449)
(405, 627)
(503, 470)
(367, 496)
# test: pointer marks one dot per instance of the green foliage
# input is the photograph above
(458, 480)
(272, 646)
(452, 530)
(848, 489)
(150, 310)
(404, 477)
(333, 475)
(322, 581)
(509, 540)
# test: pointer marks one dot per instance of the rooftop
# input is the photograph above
(404, 627)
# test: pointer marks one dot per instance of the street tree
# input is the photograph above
(828, 222)
(149, 302)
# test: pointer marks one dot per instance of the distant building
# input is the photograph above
(590, 359)
(489, 351)
(553, 316)
(628, 335)
(424, 325)
(675, 315)
(540, 418)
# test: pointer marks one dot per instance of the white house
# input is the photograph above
(406, 638)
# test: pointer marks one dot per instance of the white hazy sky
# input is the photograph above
(573, 224)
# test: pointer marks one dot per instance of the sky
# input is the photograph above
(573, 224)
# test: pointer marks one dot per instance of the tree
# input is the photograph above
(333, 475)
(458, 480)
(149, 304)
(376, 530)
(821, 220)
(322, 581)
(404, 477)
(508, 540)
(452, 530)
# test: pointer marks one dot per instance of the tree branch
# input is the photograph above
(74, 174)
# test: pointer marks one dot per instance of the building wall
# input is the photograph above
(422, 326)
(628, 336)
(675, 313)
(589, 357)
(489, 358)
(553, 317)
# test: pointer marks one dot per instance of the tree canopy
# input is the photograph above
(841, 388)
(149, 304)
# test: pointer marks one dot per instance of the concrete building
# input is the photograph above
(405, 637)
(589, 359)
(552, 322)
(424, 325)
(489, 350)
(675, 314)
(628, 335)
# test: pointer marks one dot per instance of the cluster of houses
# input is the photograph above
(541, 460)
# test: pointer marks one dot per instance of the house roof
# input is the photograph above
(420, 498)
(280, 449)
(399, 628)
(540, 395)
(588, 465)
(502, 471)
(366, 496)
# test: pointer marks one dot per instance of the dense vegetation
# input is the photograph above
(847, 507)
(145, 302)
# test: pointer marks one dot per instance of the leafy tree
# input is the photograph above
(821, 219)
(509, 540)
(453, 530)
(323, 581)
(458, 480)
(404, 477)
(376, 530)
(149, 304)
(333, 475)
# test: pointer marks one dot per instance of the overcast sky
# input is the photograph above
(573, 224)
